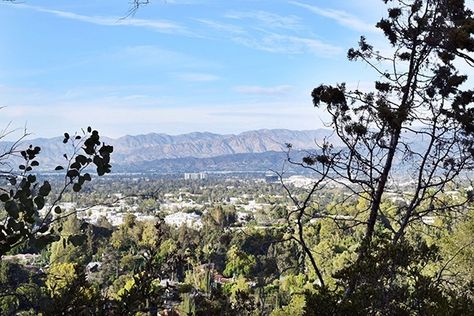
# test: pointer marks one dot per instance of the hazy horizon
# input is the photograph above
(14, 136)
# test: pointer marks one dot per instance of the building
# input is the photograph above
(195, 176)
(178, 219)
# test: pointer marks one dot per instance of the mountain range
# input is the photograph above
(198, 151)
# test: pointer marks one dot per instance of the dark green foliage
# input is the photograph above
(392, 283)
(27, 196)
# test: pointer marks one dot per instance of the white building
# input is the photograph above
(195, 176)
(178, 219)
(299, 181)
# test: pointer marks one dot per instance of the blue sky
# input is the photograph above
(176, 66)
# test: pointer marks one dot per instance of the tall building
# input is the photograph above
(195, 176)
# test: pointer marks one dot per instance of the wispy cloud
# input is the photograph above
(341, 17)
(182, 1)
(197, 77)
(162, 26)
(222, 27)
(268, 32)
(269, 19)
(258, 90)
(265, 39)
(154, 57)
(288, 44)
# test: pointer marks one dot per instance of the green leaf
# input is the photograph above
(12, 209)
(35, 163)
(4, 197)
(59, 168)
(31, 178)
(75, 165)
(72, 173)
(39, 201)
(81, 159)
(45, 189)
(29, 219)
(43, 229)
(57, 210)
(76, 187)
(12, 223)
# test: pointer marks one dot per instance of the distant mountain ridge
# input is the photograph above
(205, 145)
(143, 150)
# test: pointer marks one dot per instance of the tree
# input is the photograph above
(295, 307)
(63, 251)
(18, 289)
(69, 292)
(23, 196)
(238, 262)
(457, 248)
(420, 98)
(61, 276)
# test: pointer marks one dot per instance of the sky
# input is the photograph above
(176, 66)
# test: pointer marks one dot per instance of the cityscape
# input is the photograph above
(205, 157)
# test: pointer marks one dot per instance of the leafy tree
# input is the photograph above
(24, 197)
(61, 276)
(18, 288)
(458, 253)
(421, 97)
(297, 307)
(69, 292)
(188, 306)
(238, 262)
(63, 251)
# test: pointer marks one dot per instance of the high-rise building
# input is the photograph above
(195, 176)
